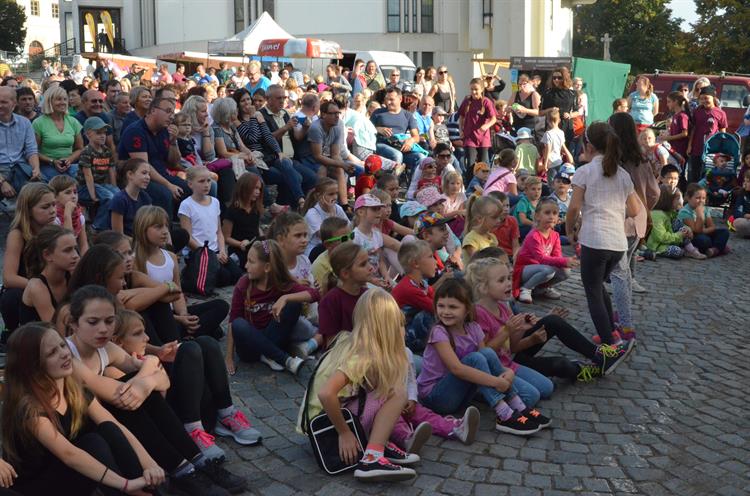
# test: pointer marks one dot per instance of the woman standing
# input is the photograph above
(58, 136)
(525, 104)
(604, 196)
(644, 104)
(560, 95)
(373, 79)
(443, 91)
(695, 93)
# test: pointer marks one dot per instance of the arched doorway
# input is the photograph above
(35, 48)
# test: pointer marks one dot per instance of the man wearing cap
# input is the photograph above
(92, 105)
(97, 181)
(708, 119)
(19, 156)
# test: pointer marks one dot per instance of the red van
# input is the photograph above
(733, 92)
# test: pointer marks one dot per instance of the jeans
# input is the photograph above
(104, 193)
(162, 197)
(717, 239)
(538, 274)
(411, 159)
(418, 330)
(16, 174)
(251, 342)
(451, 394)
(309, 176)
(283, 174)
(596, 266)
(622, 281)
(532, 386)
(49, 171)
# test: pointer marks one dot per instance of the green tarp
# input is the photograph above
(605, 82)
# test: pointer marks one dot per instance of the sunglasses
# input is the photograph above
(444, 155)
(557, 78)
(442, 72)
(343, 238)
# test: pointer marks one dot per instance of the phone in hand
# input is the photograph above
(301, 120)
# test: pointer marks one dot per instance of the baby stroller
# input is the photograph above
(721, 182)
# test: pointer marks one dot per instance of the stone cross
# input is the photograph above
(606, 39)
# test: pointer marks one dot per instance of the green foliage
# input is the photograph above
(721, 36)
(642, 32)
(13, 31)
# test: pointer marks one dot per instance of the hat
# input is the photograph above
(479, 166)
(709, 90)
(426, 161)
(373, 164)
(95, 124)
(411, 208)
(565, 173)
(523, 133)
(367, 200)
(428, 220)
(522, 173)
(438, 110)
(430, 196)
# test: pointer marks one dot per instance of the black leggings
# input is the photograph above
(160, 431)
(200, 384)
(10, 304)
(556, 366)
(161, 327)
(596, 265)
(474, 155)
(210, 316)
(107, 444)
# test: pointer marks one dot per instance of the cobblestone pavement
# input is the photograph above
(668, 422)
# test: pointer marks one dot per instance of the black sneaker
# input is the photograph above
(537, 416)
(381, 470)
(396, 455)
(223, 477)
(611, 356)
(196, 483)
(518, 424)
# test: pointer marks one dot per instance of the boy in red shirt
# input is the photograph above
(507, 233)
(414, 295)
(366, 182)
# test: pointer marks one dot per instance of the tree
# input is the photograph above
(721, 39)
(642, 32)
(13, 22)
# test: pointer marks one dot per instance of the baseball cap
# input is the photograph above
(367, 200)
(522, 172)
(428, 220)
(94, 123)
(373, 163)
(411, 208)
(709, 90)
(523, 133)
(479, 166)
(430, 196)
(566, 173)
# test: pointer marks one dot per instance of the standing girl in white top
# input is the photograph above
(319, 205)
(603, 194)
(199, 216)
(555, 151)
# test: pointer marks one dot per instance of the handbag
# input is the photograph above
(323, 436)
(201, 268)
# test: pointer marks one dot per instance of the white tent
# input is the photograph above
(246, 41)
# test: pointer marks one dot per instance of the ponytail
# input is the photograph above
(678, 97)
(604, 139)
(314, 195)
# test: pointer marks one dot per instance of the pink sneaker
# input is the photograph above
(237, 426)
(206, 444)
(616, 337)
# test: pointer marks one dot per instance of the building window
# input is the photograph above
(35, 7)
(427, 58)
(414, 16)
(394, 16)
(428, 23)
(55, 11)
(269, 6)
(239, 15)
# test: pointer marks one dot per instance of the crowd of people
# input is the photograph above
(387, 229)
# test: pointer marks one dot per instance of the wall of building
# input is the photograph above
(189, 20)
(42, 28)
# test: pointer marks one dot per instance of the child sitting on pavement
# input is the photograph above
(664, 239)
(507, 233)
(333, 232)
(432, 228)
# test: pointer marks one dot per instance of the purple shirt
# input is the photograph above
(707, 122)
(680, 122)
(433, 368)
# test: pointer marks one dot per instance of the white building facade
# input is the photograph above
(42, 25)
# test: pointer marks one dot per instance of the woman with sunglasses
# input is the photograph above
(443, 91)
(560, 95)
(525, 104)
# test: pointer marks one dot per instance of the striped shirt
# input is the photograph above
(258, 138)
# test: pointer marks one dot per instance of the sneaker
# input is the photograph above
(616, 337)
(612, 356)
(525, 296)
(381, 470)
(271, 364)
(466, 430)
(540, 419)
(303, 349)
(222, 477)
(396, 455)
(293, 364)
(237, 426)
(416, 440)
(695, 254)
(206, 444)
(518, 424)
(712, 252)
(196, 483)
(549, 293)
(587, 372)
(400, 168)
(637, 288)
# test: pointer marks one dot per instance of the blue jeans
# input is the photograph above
(282, 173)
(717, 239)
(104, 193)
(532, 385)
(411, 159)
(418, 329)
(451, 394)
(161, 196)
(309, 176)
(537, 274)
(251, 342)
(16, 174)
(49, 171)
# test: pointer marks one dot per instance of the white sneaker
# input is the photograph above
(303, 349)
(293, 364)
(466, 430)
(418, 438)
(637, 288)
(525, 296)
(550, 293)
(694, 253)
(271, 364)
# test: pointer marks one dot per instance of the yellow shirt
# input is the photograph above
(478, 242)
(321, 270)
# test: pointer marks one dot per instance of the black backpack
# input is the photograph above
(200, 272)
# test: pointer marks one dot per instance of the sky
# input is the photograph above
(684, 9)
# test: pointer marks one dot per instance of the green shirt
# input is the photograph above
(56, 144)
(527, 157)
(525, 206)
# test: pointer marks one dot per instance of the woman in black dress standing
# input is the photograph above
(560, 95)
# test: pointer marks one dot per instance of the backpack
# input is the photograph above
(201, 268)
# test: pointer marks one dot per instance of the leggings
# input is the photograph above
(106, 443)
(160, 431)
(474, 155)
(199, 381)
(251, 342)
(210, 316)
(10, 303)
(596, 266)
(622, 281)
(161, 327)
(537, 274)
(556, 366)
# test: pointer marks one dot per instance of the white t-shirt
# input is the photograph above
(603, 211)
(373, 244)
(303, 270)
(314, 218)
(556, 139)
(204, 220)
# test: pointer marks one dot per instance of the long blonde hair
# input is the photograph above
(477, 209)
(29, 196)
(377, 350)
(147, 216)
(477, 275)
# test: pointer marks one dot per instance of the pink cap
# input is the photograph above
(367, 200)
(429, 196)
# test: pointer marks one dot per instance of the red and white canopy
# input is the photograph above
(300, 48)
